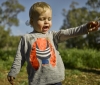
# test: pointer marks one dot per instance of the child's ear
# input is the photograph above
(31, 22)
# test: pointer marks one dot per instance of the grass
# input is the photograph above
(79, 72)
(79, 77)
(20, 80)
(72, 77)
(81, 58)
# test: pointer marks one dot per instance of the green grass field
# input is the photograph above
(77, 73)
(73, 77)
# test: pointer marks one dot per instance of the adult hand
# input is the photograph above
(11, 79)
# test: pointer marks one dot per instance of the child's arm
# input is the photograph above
(18, 61)
(63, 35)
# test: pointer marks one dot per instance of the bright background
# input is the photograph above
(57, 18)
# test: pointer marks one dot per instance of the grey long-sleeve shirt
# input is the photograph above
(40, 51)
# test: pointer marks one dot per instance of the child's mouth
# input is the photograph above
(45, 28)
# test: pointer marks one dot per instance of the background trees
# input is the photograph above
(73, 17)
(77, 16)
(8, 18)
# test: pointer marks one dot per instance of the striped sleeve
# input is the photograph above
(63, 35)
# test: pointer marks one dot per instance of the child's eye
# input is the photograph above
(41, 19)
(49, 19)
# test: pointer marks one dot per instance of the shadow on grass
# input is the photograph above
(88, 70)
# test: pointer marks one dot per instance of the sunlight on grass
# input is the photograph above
(77, 60)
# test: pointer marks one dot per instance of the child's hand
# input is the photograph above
(93, 26)
(11, 79)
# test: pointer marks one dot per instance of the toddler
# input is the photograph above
(39, 48)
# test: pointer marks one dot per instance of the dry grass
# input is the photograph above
(82, 77)
(73, 77)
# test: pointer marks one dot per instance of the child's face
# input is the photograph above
(43, 21)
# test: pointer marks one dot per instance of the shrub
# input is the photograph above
(5, 54)
(78, 58)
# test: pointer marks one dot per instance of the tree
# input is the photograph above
(4, 37)
(77, 16)
(10, 10)
(8, 18)
(93, 6)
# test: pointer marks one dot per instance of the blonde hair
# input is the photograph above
(34, 10)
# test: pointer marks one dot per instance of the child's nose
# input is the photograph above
(46, 20)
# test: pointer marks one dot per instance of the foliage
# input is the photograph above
(77, 16)
(4, 38)
(6, 54)
(9, 11)
(74, 58)
(80, 61)
(14, 41)
(93, 3)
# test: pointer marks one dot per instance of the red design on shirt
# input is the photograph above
(42, 49)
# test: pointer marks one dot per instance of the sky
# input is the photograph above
(57, 17)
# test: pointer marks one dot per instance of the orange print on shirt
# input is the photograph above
(42, 50)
